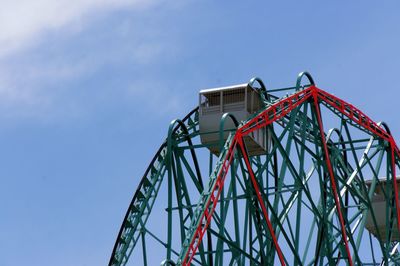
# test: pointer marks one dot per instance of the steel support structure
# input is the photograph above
(306, 201)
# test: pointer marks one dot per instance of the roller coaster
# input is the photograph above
(252, 177)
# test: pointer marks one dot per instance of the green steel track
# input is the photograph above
(306, 201)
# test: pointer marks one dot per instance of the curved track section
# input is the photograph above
(143, 200)
(313, 198)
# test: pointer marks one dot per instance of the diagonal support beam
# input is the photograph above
(271, 114)
(260, 200)
(332, 177)
(205, 216)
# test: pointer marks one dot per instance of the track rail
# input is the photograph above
(209, 199)
(143, 200)
(293, 114)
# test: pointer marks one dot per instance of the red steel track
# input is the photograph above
(271, 114)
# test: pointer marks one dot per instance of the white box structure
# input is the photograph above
(379, 207)
(242, 101)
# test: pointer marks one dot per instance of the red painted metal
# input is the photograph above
(277, 111)
(332, 178)
(271, 114)
(363, 120)
(210, 205)
(396, 192)
(351, 112)
(261, 201)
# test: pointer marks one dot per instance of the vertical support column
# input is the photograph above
(396, 192)
(169, 208)
(259, 197)
(144, 248)
(332, 177)
(209, 240)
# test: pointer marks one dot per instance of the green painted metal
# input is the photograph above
(295, 182)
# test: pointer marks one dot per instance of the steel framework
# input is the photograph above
(306, 201)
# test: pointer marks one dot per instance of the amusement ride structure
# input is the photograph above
(254, 177)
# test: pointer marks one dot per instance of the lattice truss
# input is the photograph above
(324, 192)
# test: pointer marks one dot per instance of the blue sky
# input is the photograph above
(87, 91)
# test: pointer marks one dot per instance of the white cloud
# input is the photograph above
(24, 22)
(29, 82)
